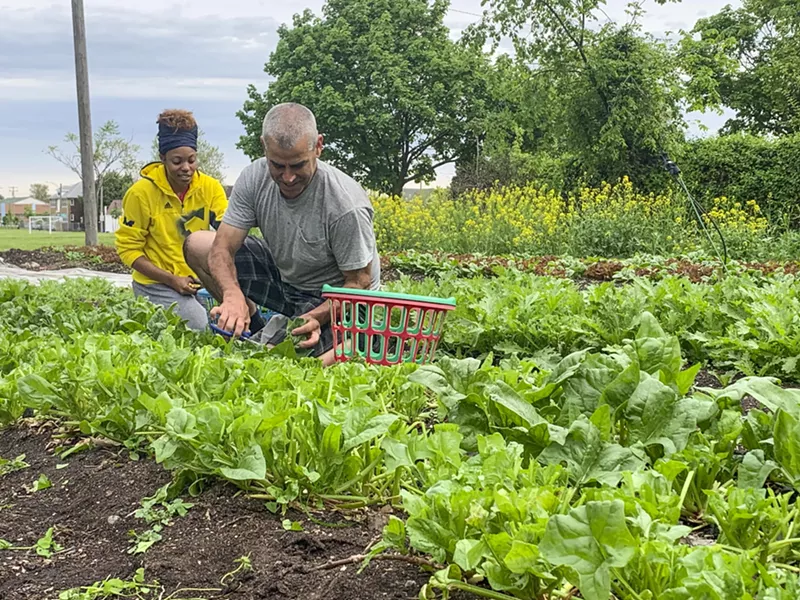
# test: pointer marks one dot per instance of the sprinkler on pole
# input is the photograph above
(699, 212)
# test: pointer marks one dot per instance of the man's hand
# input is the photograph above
(186, 286)
(312, 329)
(233, 314)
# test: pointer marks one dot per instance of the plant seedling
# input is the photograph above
(41, 484)
(11, 465)
(45, 546)
(245, 565)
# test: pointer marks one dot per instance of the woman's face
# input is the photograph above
(181, 163)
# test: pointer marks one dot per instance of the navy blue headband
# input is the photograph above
(170, 138)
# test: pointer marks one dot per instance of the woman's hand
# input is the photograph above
(186, 286)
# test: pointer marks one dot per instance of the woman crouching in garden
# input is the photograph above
(170, 201)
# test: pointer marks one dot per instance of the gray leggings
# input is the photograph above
(188, 308)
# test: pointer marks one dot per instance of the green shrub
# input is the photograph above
(747, 167)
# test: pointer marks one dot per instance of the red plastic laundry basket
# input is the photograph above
(385, 328)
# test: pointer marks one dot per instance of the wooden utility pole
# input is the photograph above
(84, 123)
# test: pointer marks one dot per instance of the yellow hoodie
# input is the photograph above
(154, 222)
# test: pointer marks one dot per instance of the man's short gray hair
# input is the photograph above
(289, 123)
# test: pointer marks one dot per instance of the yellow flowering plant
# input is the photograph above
(613, 220)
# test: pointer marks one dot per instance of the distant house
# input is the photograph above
(411, 193)
(114, 205)
(70, 204)
(21, 205)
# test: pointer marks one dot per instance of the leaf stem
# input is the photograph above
(261, 497)
(781, 543)
(626, 585)
(342, 497)
(686, 484)
(478, 591)
(362, 474)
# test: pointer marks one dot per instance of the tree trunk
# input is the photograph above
(397, 188)
(84, 123)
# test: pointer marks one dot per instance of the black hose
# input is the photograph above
(699, 211)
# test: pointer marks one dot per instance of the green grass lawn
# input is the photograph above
(22, 240)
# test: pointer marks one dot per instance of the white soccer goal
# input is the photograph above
(41, 219)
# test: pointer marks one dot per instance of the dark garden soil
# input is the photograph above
(91, 505)
(105, 258)
(96, 258)
(706, 379)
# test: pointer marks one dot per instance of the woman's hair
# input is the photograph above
(177, 119)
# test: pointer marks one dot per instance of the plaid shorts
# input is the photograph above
(261, 282)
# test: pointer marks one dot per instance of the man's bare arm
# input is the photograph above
(360, 279)
(233, 311)
(221, 265)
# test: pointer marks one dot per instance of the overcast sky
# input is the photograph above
(153, 55)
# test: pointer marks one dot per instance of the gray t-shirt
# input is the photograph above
(313, 238)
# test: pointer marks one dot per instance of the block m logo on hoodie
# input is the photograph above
(185, 225)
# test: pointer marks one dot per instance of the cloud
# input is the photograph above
(137, 46)
(55, 87)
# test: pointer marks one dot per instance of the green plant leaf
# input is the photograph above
(394, 533)
(755, 469)
(590, 540)
(469, 554)
(522, 557)
(656, 416)
(290, 525)
(656, 351)
(164, 447)
(505, 396)
(766, 391)
(786, 435)
(427, 535)
(433, 378)
(686, 378)
(622, 387)
(42, 483)
(588, 458)
(583, 391)
(250, 465)
(356, 430)
(181, 424)
(16, 464)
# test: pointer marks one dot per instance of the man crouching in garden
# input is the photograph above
(317, 228)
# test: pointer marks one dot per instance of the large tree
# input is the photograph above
(111, 152)
(394, 95)
(748, 59)
(210, 158)
(115, 184)
(517, 141)
(615, 96)
(40, 191)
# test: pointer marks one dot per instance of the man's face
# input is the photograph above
(292, 169)
(181, 163)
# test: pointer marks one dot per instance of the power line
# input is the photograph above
(464, 12)
(13, 190)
